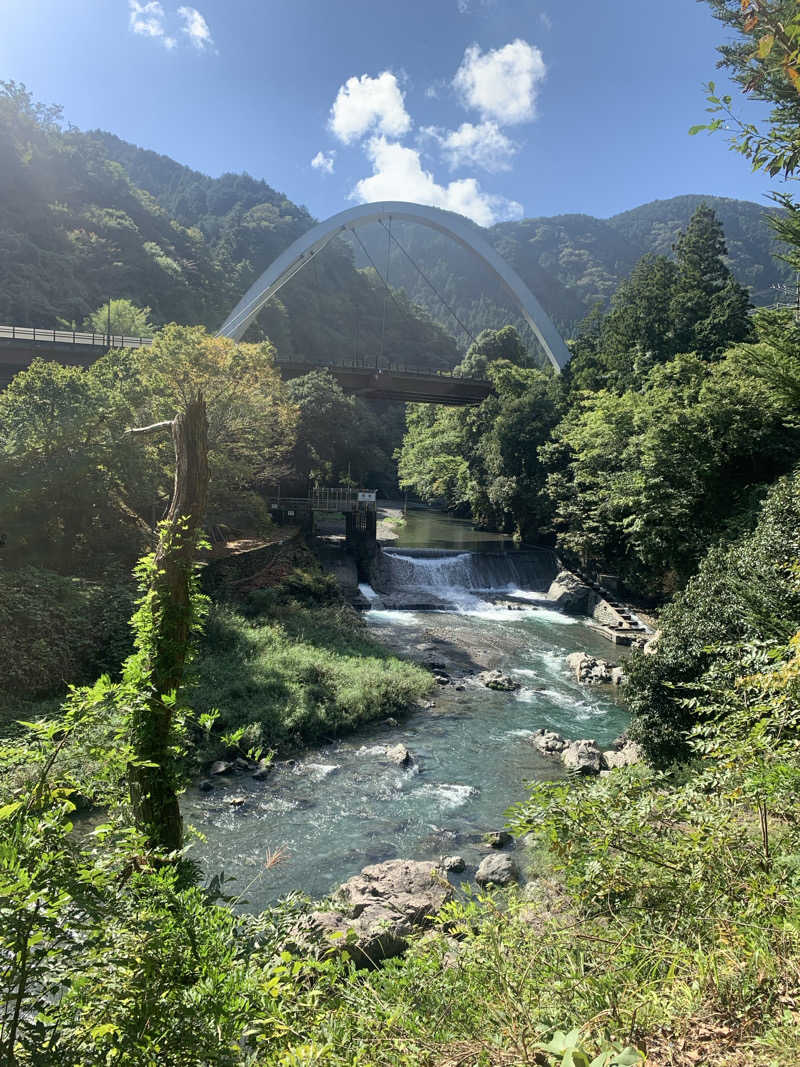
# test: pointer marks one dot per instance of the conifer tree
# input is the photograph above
(709, 308)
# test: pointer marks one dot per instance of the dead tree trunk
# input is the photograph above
(165, 637)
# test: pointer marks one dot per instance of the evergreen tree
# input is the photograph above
(709, 308)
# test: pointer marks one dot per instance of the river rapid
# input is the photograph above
(344, 805)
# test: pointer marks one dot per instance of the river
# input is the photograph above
(344, 805)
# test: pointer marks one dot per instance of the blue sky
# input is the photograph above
(496, 108)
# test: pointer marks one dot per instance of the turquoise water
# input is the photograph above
(343, 805)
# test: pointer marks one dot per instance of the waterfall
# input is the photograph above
(458, 577)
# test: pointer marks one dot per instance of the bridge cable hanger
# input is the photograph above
(451, 225)
(425, 278)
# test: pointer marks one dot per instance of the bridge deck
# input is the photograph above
(376, 379)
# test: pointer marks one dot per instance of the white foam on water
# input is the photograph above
(519, 733)
(386, 617)
(372, 750)
(366, 590)
(450, 795)
(320, 770)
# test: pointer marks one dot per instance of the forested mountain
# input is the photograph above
(87, 216)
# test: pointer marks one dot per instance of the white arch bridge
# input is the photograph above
(19, 345)
(305, 248)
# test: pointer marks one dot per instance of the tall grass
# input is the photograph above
(289, 673)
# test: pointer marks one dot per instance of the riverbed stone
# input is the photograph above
(590, 670)
(625, 756)
(456, 864)
(262, 771)
(497, 869)
(205, 785)
(548, 742)
(400, 755)
(499, 681)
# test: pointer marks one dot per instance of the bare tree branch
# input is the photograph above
(156, 426)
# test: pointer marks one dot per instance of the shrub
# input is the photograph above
(56, 631)
(742, 591)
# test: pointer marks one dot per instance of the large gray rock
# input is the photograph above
(626, 756)
(498, 680)
(582, 756)
(497, 869)
(569, 593)
(377, 911)
(589, 670)
(548, 742)
(455, 864)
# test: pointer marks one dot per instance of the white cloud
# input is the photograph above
(365, 104)
(196, 28)
(323, 161)
(545, 20)
(147, 20)
(484, 145)
(501, 84)
(398, 175)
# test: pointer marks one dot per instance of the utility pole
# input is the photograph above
(108, 322)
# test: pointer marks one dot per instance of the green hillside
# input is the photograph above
(85, 217)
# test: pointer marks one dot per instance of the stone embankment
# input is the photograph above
(584, 756)
(578, 595)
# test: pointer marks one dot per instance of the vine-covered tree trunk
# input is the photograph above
(167, 622)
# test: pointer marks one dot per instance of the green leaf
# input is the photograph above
(9, 809)
(629, 1057)
(696, 129)
(765, 45)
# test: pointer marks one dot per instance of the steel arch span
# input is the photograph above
(314, 240)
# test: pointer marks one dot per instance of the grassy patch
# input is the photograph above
(289, 672)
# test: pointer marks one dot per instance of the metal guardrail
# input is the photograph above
(73, 337)
(334, 499)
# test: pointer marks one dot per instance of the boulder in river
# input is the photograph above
(497, 869)
(583, 756)
(453, 863)
(548, 742)
(220, 766)
(400, 755)
(498, 839)
(262, 771)
(499, 681)
(589, 670)
(569, 593)
(377, 911)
